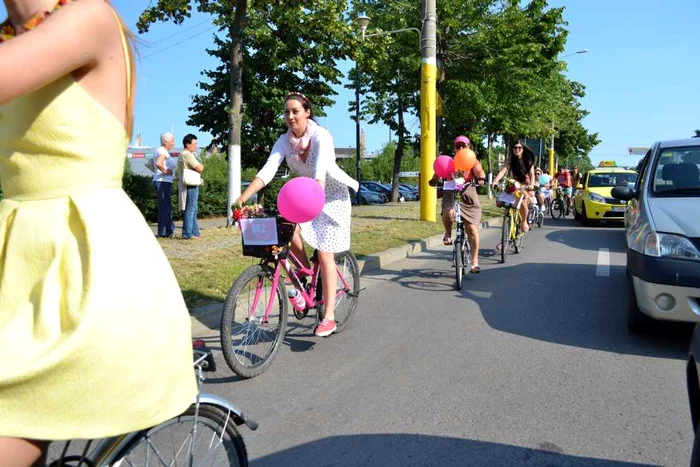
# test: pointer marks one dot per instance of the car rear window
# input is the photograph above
(677, 172)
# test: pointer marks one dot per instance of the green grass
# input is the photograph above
(206, 268)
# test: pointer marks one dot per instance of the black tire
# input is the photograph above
(540, 218)
(637, 322)
(346, 305)
(557, 209)
(577, 216)
(215, 429)
(531, 215)
(695, 454)
(234, 321)
(584, 218)
(459, 264)
(505, 237)
(519, 237)
(466, 256)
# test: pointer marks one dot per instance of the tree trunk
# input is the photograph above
(235, 118)
(398, 153)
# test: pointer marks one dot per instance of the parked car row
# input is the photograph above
(375, 193)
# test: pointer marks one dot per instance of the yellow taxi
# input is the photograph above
(593, 201)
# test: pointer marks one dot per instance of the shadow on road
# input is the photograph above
(581, 310)
(611, 238)
(564, 303)
(408, 449)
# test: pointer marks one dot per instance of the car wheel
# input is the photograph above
(695, 455)
(637, 321)
(584, 218)
(577, 216)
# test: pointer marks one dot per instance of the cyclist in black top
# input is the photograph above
(521, 164)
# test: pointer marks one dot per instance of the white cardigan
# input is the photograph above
(321, 145)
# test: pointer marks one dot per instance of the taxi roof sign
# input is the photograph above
(607, 164)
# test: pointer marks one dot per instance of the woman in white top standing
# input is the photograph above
(163, 183)
(310, 152)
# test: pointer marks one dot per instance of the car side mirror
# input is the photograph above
(623, 193)
(579, 187)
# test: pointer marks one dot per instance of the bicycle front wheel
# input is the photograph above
(557, 209)
(348, 288)
(249, 340)
(459, 263)
(505, 236)
(205, 437)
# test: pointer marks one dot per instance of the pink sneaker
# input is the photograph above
(325, 328)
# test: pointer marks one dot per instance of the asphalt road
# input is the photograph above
(530, 363)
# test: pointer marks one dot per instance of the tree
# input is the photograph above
(285, 46)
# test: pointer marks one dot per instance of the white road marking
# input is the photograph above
(603, 268)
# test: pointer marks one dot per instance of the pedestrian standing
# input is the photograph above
(189, 193)
(163, 183)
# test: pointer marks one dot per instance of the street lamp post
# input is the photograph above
(363, 22)
(551, 148)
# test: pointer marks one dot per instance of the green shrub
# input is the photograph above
(482, 190)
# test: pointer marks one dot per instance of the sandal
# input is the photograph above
(446, 240)
(475, 270)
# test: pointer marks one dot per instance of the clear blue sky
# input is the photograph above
(641, 74)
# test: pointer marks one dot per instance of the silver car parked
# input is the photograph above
(662, 229)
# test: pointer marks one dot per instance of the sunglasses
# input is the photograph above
(517, 147)
(460, 145)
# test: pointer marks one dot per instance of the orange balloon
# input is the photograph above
(465, 160)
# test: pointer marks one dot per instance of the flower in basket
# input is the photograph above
(248, 211)
(512, 185)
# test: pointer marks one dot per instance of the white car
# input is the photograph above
(662, 230)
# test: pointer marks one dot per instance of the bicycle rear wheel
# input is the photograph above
(459, 263)
(248, 342)
(557, 209)
(505, 235)
(347, 289)
(213, 440)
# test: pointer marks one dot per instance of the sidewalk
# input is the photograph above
(207, 317)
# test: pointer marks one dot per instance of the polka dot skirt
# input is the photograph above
(330, 230)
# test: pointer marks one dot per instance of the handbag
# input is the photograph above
(151, 164)
(191, 177)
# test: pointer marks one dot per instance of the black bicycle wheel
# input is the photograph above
(249, 344)
(466, 256)
(540, 217)
(557, 209)
(346, 303)
(459, 263)
(505, 236)
(215, 441)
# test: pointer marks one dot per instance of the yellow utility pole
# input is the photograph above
(428, 112)
(551, 154)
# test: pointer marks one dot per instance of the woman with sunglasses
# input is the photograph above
(521, 165)
(309, 151)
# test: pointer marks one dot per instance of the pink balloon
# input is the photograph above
(301, 199)
(444, 166)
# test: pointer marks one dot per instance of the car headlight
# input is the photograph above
(596, 197)
(669, 246)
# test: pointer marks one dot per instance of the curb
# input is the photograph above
(207, 317)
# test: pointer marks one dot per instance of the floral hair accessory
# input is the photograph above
(296, 94)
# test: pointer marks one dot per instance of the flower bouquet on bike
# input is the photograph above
(510, 194)
(264, 235)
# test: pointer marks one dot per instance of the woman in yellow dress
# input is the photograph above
(94, 333)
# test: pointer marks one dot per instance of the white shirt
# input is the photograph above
(321, 144)
(170, 163)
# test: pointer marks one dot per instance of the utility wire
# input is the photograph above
(177, 43)
(179, 32)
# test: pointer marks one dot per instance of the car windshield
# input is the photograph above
(611, 179)
(677, 172)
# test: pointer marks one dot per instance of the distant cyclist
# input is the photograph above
(521, 164)
(564, 182)
(543, 194)
(576, 179)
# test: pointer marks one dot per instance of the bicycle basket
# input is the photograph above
(506, 199)
(266, 237)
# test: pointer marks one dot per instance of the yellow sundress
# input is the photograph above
(94, 333)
